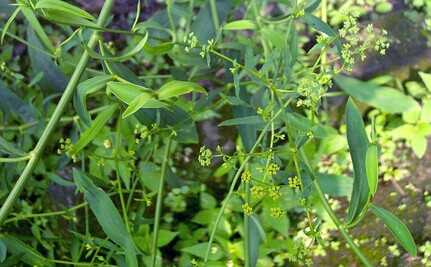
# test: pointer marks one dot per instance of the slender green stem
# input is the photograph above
(65, 98)
(236, 177)
(247, 229)
(214, 15)
(332, 215)
(159, 204)
(17, 159)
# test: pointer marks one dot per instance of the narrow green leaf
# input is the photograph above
(177, 88)
(126, 92)
(358, 145)
(28, 254)
(165, 237)
(9, 148)
(376, 96)
(372, 166)
(319, 25)
(127, 55)
(248, 120)
(136, 104)
(398, 229)
(11, 103)
(63, 7)
(85, 88)
(198, 250)
(243, 24)
(107, 215)
(257, 235)
(8, 23)
(91, 133)
(34, 23)
(69, 19)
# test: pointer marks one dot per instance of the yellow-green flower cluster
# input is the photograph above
(205, 156)
(294, 182)
(273, 169)
(246, 176)
(191, 41)
(276, 212)
(274, 192)
(247, 209)
(258, 191)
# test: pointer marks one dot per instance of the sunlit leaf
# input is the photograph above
(398, 229)
(63, 7)
(177, 88)
(243, 24)
(372, 166)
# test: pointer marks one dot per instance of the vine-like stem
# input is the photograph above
(331, 213)
(64, 100)
(159, 203)
(236, 177)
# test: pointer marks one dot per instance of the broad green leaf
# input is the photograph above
(3, 251)
(91, 133)
(137, 103)
(63, 7)
(426, 78)
(398, 229)
(127, 55)
(376, 96)
(243, 24)
(8, 23)
(34, 23)
(126, 92)
(177, 88)
(243, 121)
(165, 237)
(29, 255)
(358, 145)
(107, 215)
(69, 19)
(85, 88)
(372, 166)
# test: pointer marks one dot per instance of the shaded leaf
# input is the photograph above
(28, 254)
(243, 121)
(358, 145)
(107, 215)
(35, 25)
(11, 103)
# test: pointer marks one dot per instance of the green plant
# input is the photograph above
(178, 69)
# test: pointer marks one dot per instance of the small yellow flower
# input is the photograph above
(107, 143)
(247, 209)
(273, 169)
(276, 212)
(294, 182)
(274, 192)
(246, 176)
(258, 191)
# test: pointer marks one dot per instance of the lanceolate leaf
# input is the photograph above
(107, 215)
(177, 88)
(69, 19)
(398, 229)
(63, 7)
(9, 148)
(376, 96)
(358, 145)
(11, 103)
(126, 92)
(127, 55)
(8, 23)
(91, 133)
(34, 23)
(243, 121)
(372, 166)
(243, 24)
(29, 255)
(142, 101)
(84, 89)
